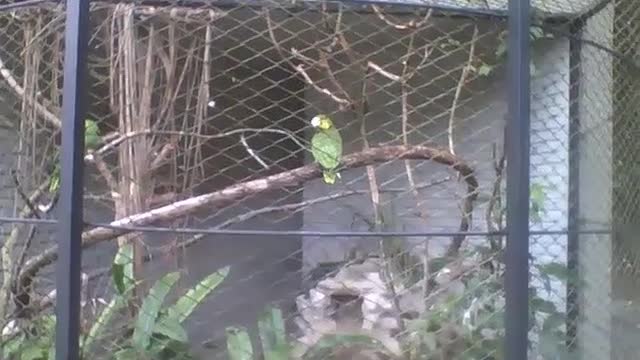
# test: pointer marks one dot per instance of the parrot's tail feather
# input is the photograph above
(329, 177)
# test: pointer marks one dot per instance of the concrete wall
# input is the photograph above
(477, 125)
(595, 190)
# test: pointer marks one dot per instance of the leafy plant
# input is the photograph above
(34, 345)
(157, 331)
(239, 343)
(273, 338)
(536, 202)
(536, 33)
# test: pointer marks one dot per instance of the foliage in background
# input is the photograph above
(157, 331)
(275, 344)
(273, 338)
(536, 33)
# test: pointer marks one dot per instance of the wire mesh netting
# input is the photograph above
(227, 218)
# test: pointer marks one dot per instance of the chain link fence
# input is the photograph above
(213, 233)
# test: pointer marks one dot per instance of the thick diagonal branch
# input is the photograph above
(224, 197)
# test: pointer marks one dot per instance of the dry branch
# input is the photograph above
(20, 91)
(461, 82)
(239, 191)
(409, 25)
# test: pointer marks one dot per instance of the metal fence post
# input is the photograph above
(517, 252)
(69, 264)
(575, 58)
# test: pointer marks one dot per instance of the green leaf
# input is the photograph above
(438, 263)
(555, 269)
(33, 352)
(551, 346)
(328, 344)
(13, 346)
(100, 326)
(151, 305)
(194, 297)
(48, 322)
(273, 335)
(239, 344)
(122, 269)
(541, 305)
(171, 328)
(484, 69)
(126, 354)
(537, 192)
(553, 322)
(54, 182)
(501, 50)
(536, 32)
(430, 341)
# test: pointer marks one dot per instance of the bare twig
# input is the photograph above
(274, 41)
(132, 134)
(252, 153)
(461, 82)
(324, 62)
(295, 206)
(371, 173)
(105, 172)
(404, 100)
(377, 68)
(19, 90)
(27, 201)
(493, 216)
(231, 194)
(49, 300)
(7, 247)
(307, 78)
(163, 155)
(467, 207)
(410, 25)
(183, 14)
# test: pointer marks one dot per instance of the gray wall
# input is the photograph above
(595, 191)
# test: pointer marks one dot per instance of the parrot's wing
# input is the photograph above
(337, 139)
(91, 134)
(326, 150)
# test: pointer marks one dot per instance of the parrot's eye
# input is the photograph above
(315, 122)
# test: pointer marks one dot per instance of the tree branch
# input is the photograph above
(411, 24)
(231, 194)
(15, 86)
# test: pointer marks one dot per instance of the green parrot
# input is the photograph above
(326, 147)
(91, 141)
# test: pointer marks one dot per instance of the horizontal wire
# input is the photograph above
(214, 231)
(34, 221)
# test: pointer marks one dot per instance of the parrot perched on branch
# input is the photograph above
(91, 141)
(326, 147)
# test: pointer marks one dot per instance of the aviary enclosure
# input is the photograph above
(162, 195)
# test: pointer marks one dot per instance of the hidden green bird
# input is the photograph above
(91, 141)
(326, 147)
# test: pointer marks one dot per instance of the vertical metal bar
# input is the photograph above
(517, 252)
(68, 280)
(575, 52)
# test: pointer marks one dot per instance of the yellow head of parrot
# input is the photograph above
(321, 121)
